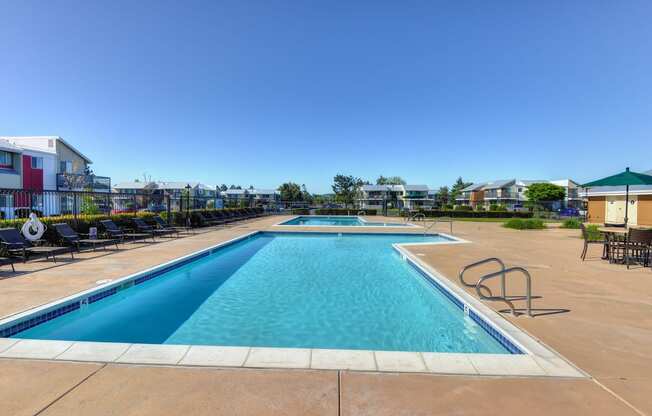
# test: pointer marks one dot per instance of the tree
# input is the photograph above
(456, 190)
(223, 187)
(392, 180)
(544, 192)
(443, 195)
(305, 195)
(290, 191)
(346, 188)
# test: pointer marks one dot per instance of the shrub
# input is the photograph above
(430, 213)
(524, 224)
(572, 223)
(344, 211)
(463, 208)
(593, 233)
(300, 211)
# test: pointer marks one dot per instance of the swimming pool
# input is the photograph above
(339, 221)
(308, 290)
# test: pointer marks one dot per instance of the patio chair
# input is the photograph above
(214, 218)
(71, 237)
(145, 228)
(588, 241)
(162, 225)
(113, 231)
(637, 246)
(9, 261)
(15, 245)
(205, 220)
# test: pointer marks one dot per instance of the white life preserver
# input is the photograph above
(33, 229)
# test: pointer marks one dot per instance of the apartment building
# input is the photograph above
(511, 193)
(395, 196)
(153, 195)
(36, 164)
(253, 197)
(40, 163)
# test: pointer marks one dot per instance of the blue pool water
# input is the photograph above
(340, 221)
(284, 290)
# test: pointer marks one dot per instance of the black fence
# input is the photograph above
(18, 203)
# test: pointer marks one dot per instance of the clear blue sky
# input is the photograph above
(260, 92)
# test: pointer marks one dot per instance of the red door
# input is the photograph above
(32, 181)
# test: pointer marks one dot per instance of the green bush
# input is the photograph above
(593, 233)
(463, 208)
(524, 224)
(344, 211)
(572, 223)
(300, 211)
(430, 213)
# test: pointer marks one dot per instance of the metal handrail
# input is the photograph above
(503, 273)
(417, 215)
(479, 263)
(361, 212)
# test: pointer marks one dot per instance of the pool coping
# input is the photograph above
(407, 225)
(537, 360)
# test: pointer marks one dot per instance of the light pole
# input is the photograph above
(188, 222)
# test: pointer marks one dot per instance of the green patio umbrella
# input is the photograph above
(625, 179)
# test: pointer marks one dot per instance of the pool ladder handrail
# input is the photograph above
(449, 220)
(415, 216)
(503, 272)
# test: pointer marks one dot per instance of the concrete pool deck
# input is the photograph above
(607, 333)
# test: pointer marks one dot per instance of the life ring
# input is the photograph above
(33, 229)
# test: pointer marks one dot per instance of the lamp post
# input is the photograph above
(188, 222)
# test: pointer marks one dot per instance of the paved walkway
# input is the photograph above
(607, 331)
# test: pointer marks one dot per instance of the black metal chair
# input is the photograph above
(113, 231)
(15, 245)
(588, 241)
(71, 237)
(638, 246)
(162, 225)
(145, 228)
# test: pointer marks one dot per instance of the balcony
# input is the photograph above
(78, 182)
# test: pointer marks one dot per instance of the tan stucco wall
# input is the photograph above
(65, 153)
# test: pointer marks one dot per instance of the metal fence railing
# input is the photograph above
(18, 203)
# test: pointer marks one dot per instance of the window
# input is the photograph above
(65, 166)
(37, 162)
(6, 160)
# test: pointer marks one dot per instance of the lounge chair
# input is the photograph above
(113, 231)
(215, 217)
(9, 261)
(208, 221)
(15, 245)
(71, 237)
(145, 228)
(162, 225)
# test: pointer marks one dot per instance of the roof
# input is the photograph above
(263, 191)
(235, 191)
(8, 147)
(56, 138)
(423, 188)
(162, 185)
(499, 183)
(474, 187)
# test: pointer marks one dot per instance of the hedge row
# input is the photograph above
(471, 214)
(300, 211)
(179, 217)
(344, 211)
(81, 224)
